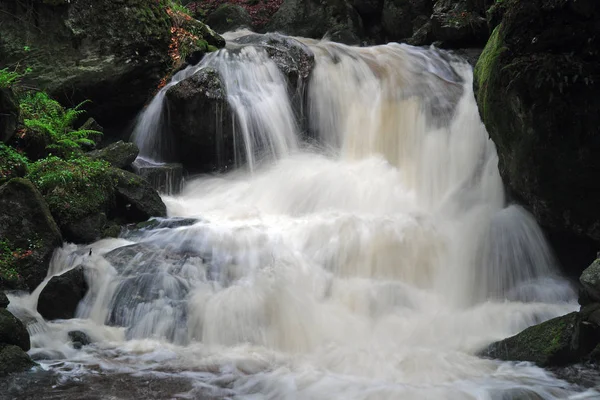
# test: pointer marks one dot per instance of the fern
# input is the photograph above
(41, 113)
(7, 77)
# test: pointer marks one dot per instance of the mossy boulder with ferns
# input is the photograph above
(112, 53)
(537, 85)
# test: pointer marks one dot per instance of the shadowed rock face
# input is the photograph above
(26, 223)
(536, 86)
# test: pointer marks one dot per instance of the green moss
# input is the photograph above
(7, 78)
(488, 61)
(73, 189)
(12, 163)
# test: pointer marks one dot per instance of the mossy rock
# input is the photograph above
(13, 360)
(551, 343)
(29, 235)
(119, 154)
(136, 200)
(537, 86)
(12, 331)
(113, 53)
(76, 189)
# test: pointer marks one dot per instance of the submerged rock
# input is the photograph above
(79, 339)
(166, 178)
(119, 154)
(13, 359)
(12, 331)
(294, 59)
(62, 294)
(537, 86)
(26, 224)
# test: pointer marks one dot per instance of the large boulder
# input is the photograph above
(12, 331)
(559, 341)
(136, 200)
(119, 154)
(28, 229)
(113, 53)
(229, 17)
(9, 114)
(537, 85)
(336, 19)
(62, 294)
(13, 360)
(205, 145)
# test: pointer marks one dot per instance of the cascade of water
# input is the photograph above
(372, 266)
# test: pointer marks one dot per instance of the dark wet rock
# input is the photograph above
(4, 302)
(336, 19)
(537, 88)
(136, 200)
(13, 359)
(112, 230)
(166, 223)
(9, 114)
(166, 178)
(559, 341)
(292, 57)
(228, 17)
(515, 394)
(85, 230)
(201, 122)
(402, 19)
(26, 224)
(79, 339)
(116, 67)
(458, 24)
(12, 331)
(61, 296)
(119, 154)
(368, 8)
(590, 280)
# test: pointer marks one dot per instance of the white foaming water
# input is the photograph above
(371, 266)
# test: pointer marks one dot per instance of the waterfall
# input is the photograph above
(367, 254)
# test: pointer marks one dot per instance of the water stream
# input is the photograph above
(371, 259)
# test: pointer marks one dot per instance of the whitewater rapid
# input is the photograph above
(372, 261)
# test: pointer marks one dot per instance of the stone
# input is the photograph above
(457, 24)
(590, 280)
(537, 85)
(402, 19)
(555, 342)
(136, 200)
(9, 114)
(119, 154)
(229, 17)
(79, 339)
(166, 178)
(62, 294)
(205, 146)
(27, 224)
(12, 331)
(335, 19)
(117, 66)
(13, 360)
(87, 229)
(4, 302)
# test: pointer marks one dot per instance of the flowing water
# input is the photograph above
(369, 255)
